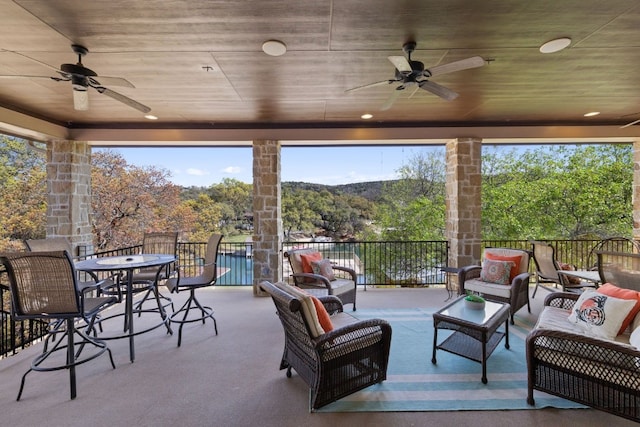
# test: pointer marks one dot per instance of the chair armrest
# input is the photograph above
(315, 277)
(466, 273)
(355, 334)
(331, 303)
(348, 270)
(565, 300)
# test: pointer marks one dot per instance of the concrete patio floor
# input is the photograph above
(227, 380)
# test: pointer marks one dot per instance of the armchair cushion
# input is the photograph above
(496, 271)
(600, 315)
(324, 268)
(305, 262)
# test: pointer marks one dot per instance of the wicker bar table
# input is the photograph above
(475, 332)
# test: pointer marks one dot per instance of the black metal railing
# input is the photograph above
(395, 263)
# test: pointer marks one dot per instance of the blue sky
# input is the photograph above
(323, 165)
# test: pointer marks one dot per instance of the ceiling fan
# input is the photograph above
(412, 75)
(82, 78)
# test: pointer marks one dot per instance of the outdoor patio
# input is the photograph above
(227, 380)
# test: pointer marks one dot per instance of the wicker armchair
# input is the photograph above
(44, 286)
(335, 364)
(344, 287)
(516, 293)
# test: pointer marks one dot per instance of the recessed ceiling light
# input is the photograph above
(556, 45)
(151, 117)
(274, 47)
(592, 113)
(366, 116)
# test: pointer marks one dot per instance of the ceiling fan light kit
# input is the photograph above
(413, 75)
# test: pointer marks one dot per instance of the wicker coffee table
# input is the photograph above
(475, 334)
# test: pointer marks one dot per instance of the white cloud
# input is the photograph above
(234, 170)
(196, 172)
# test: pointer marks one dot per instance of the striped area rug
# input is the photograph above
(453, 384)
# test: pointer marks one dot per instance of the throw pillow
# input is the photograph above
(306, 260)
(323, 315)
(515, 259)
(600, 315)
(628, 294)
(496, 272)
(323, 268)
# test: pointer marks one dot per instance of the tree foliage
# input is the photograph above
(128, 201)
(22, 191)
(412, 207)
(558, 192)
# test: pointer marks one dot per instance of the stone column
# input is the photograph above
(635, 197)
(463, 201)
(69, 192)
(267, 213)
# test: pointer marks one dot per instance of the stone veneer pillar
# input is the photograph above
(69, 193)
(635, 196)
(267, 218)
(464, 200)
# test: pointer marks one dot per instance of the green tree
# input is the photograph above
(412, 207)
(128, 200)
(22, 191)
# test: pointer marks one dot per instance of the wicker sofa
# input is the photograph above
(334, 364)
(566, 361)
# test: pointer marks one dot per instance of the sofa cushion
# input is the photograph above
(628, 294)
(515, 259)
(600, 315)
(496, 271)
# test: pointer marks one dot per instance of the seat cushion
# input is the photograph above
(488, 288)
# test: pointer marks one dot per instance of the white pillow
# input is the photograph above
(600, 315)
(634, 339)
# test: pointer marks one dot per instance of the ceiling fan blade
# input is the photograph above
(110, 81)
(389, 102)
(16, 76)
(124, 99)
(383, 82)
(35, 60)
(401, 63)
(630, 124)
(464, 64)
(80, 100)
(439, 90)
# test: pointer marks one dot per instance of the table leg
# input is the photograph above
(506, 334)
(129, 315)
(435, 341)
(484, 358)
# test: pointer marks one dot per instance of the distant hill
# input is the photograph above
(369, 190)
